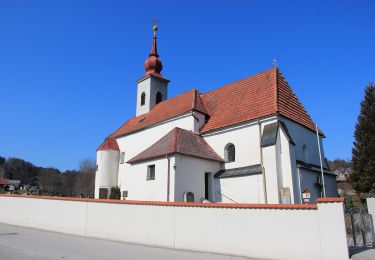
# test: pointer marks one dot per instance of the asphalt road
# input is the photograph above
(18, 243)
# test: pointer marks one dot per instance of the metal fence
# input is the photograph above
(359, 228)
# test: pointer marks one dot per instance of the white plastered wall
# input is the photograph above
(150, 86)
(315, 233)
(139, 188)
(303, 136)
(245, 139)
(190, 176)
(107, 170)
(244, 189)
(137, 142)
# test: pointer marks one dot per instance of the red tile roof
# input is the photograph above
(109, 144)
(179, 141)
(264, 94)
(165, 110)
(4, 181)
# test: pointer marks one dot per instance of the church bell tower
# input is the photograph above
(152, 87)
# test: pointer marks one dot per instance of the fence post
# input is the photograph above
(353, 228)
(372, 229)
(363, 228)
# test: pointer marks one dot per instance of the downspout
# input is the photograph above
(261, 163)
(168, 176)
(321, 163)
(299, 185)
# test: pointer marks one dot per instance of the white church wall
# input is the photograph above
(287, 165)
(296, 192)
(303, 136)
(331, 186)
(190, 176)
(308, 179)
(107, 170)
(244, 189)
(300, 232)
(150, 92)
(135, 143)
(140, 188)
(246, 141)
(270, 168)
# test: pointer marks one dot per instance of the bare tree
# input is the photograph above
(86, 179)
(50, 179)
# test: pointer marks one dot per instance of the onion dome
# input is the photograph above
(153, 64)
(109, 144)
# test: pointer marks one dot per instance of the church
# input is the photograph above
(250, 141)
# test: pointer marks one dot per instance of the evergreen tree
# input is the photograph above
(363, 154)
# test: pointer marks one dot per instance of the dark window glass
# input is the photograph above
(189, 197)
(231, 150)
(159, 97)
(151, 172)
(143, 98)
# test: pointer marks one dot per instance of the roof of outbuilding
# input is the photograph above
(179, 141)
(109, 144)
(4, 181)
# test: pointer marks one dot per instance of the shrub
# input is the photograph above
(115, 193)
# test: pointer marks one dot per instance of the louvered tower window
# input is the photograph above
(143, 98)
(159, 97)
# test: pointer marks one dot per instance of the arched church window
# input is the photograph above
(143, 98)
(159, 97)
(230, 153)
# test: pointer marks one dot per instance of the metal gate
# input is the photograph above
(359, 228)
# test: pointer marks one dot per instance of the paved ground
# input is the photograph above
(364, 254)
(18, 243)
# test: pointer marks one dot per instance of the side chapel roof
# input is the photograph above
(178, 141)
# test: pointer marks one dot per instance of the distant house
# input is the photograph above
(4, 183)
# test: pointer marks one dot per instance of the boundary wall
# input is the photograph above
(267, 231)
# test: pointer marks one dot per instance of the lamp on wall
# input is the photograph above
(174, 167)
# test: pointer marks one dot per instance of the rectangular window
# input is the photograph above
(151, 172)
(122, 157)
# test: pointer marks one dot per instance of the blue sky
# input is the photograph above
(68, 69)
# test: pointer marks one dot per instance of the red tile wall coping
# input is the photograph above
(174, 204)
(329, 200)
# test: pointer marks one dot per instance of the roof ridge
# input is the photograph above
(233, 82)
(194, 101)
(276, 90)
(175, 138)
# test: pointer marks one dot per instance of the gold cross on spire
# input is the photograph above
(155, 27)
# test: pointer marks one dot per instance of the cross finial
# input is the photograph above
(274, 62)
(155, 27)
